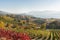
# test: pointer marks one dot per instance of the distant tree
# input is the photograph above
(43, 26)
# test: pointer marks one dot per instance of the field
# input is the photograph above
(49, 34)
(45, 34)
(31, 34)
(14, 27)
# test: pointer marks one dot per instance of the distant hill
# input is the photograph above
(45, 14)
(32, 19)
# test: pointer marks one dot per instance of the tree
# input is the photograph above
(2, 24)
(43, 26)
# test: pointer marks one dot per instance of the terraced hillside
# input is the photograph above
(51, 35)
(36, 28)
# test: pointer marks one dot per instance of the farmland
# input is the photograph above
(50, 34)
(33, 34)
(45, 35)
(24, 27)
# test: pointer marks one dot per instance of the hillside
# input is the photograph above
(28, 21)
(28, 27)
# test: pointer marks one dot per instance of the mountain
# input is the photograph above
(45, 14)
(36, 18)
(4, 13)
(40, 14)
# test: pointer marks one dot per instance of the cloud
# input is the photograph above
(15, 10)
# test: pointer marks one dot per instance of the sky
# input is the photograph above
(21, 6)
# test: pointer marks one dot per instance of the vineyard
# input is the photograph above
(14, 27)
(51, 35)
(30, 35)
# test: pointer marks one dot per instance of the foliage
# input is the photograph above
(12, 35)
